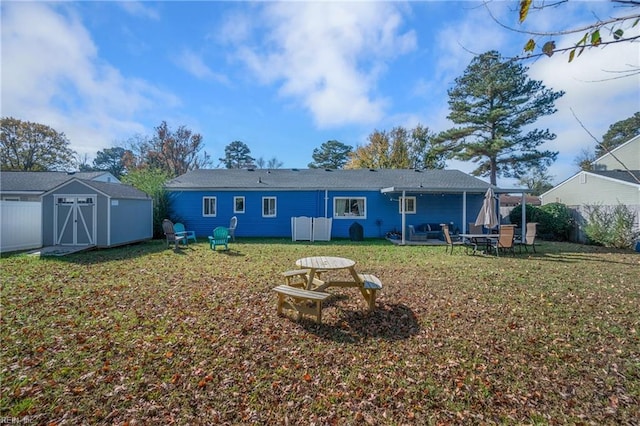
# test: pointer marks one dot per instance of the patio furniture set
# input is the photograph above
(176, 234)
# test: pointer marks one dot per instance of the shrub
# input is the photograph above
(532, 213)
(611, 226)
(556, 219)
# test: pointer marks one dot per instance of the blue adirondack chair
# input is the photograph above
(220, 237)
(181, 231)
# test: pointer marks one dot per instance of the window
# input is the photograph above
(409, 205)
(268, 206)
(349, 207)
(208, 206)
(238, 204)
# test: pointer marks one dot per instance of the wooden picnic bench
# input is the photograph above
(370, 286)
(299, 277)
(295, 298)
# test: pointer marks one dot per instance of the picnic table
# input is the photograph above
(294, 294)
(367, 284)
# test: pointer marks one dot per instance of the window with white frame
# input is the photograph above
(349, 207)
(268, 206)
(409, 205)
(238, 204)
(208, 206)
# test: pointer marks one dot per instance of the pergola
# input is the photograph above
(407, 191)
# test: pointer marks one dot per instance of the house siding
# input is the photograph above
(586, 188)
(382, 211)
(628, 153)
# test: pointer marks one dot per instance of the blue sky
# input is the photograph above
(286, 77)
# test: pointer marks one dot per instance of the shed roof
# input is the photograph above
(39, 181)
(110, 189)
(321, 179)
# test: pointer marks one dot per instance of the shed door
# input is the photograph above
(75, 219)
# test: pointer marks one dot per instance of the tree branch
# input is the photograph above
(565, 32)
(584, 46)
(605, 148)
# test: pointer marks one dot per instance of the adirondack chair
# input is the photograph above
(170, 233)
(232, 228)
(180, 230)
(220, 237)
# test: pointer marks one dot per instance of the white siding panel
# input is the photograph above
(592, 189)
(21, 227)
(628, 153)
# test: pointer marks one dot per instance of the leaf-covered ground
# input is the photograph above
(146, 335)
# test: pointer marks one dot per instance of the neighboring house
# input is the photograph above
(607, 184)
(265, 200)
(628, 153)
(81, 209)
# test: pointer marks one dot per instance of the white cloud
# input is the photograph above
(328, 56)
(194, 65)
(52, 74)
(595, 99)
(137, 8)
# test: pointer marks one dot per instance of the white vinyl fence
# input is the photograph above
(305, 228)
(21, 225)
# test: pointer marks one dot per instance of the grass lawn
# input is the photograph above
(146, 335)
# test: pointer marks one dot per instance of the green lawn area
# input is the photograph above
(146, 335)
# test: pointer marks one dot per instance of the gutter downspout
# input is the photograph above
(404, 220)
(326, 203)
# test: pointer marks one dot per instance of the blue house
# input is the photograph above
(266, 200)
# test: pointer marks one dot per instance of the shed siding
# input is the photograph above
(131, 221)
(102, 219)
(594, 190)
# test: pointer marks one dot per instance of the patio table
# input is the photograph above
(479, 239)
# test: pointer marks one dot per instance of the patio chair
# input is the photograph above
(170, 234)
(232, 227)
(180, 230)
(529, 237)
(220, 237)
(452, 241)
(504, 241)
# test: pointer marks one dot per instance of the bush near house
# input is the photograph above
(611, 226)
(554, 220)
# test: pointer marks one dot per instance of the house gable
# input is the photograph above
(628, 153)
(593, 188)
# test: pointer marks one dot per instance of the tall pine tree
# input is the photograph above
(494, 102)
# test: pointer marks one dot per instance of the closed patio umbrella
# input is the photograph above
(488, 216)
